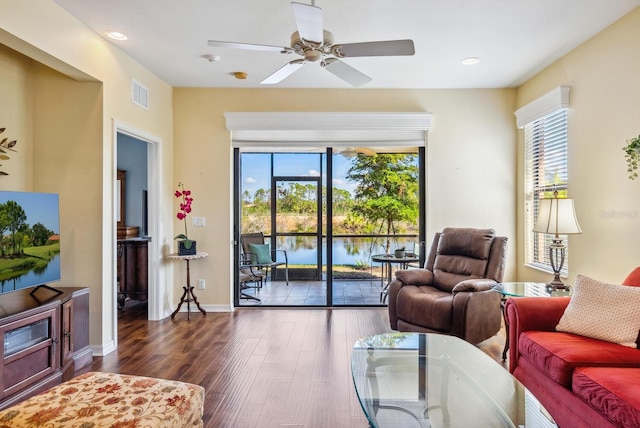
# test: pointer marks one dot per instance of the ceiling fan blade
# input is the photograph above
(382, 48)
(283, 72)
(309, 22)
(366, 151)
(347, 152)
(248, 46)
(345, 72)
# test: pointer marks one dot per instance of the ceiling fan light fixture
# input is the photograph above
(312, 55)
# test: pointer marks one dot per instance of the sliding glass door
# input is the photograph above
(330, 211)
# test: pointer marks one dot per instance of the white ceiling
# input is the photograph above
(514, 39)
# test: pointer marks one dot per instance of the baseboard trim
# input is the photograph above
(102, 350)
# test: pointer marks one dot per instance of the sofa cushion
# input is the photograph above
(462, 254)
(612, 391)
(633, 279)
(603, 311)
(474, 243)
(425, 306)
(558, 354)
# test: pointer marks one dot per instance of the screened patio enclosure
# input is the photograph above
(289, 198)
(328, 209)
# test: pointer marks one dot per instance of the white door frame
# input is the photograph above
(156, 289)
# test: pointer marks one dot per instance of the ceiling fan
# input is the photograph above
(349, 152)
(315, 44)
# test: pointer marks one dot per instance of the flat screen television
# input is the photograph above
(29, 240)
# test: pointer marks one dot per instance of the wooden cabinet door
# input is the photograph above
(66, 338)
(32, 351)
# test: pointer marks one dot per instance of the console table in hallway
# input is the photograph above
(188, 296)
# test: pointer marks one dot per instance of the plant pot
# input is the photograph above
(399, 254)
(183, 251)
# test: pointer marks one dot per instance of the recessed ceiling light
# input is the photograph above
(471, 60)
(116, 35)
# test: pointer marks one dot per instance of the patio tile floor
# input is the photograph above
(313, 293)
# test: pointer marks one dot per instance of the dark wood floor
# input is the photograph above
(259, 367)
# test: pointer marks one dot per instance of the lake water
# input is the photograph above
(346, 251)
(50, 273)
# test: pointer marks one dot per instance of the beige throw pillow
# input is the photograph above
(603, 311)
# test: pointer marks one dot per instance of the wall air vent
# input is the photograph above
(140, 95)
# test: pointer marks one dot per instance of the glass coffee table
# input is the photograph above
(431, 380)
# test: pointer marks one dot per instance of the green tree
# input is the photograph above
(342, 201)
(297, 198)
(262, 200)
(40, 234)
(246, 197)
(17, 220)
(386, 190)
(4, 225)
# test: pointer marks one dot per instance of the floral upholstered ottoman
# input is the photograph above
(96, 400)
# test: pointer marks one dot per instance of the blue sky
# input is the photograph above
(39, 207)
(256, 173)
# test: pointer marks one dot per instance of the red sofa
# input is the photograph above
(582, 382)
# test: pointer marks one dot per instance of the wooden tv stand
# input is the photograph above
(46, 339)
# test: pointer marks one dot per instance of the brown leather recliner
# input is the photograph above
(452, 294)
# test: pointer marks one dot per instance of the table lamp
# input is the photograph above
(557, 216)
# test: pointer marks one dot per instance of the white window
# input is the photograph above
(545, 167)
(545, 172)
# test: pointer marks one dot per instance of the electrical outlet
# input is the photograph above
(201, 284)
(197, 221)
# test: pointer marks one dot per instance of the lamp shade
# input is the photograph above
(557, 216)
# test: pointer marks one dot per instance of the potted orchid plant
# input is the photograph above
(186, 246)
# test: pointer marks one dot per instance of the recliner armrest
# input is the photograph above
(415, 276)
(471, 285)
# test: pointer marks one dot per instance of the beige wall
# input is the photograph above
(604, 112)
(471, 160)
(69, 118)
(472, 155)
(16, 90)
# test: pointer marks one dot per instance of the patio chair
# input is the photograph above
(250, 277)
(261, 255)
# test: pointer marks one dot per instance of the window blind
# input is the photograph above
(291, 131)
(545, 172)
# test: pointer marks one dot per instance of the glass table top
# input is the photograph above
(431, 380)
(522, 289)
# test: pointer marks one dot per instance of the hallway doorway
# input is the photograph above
(143, 213)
